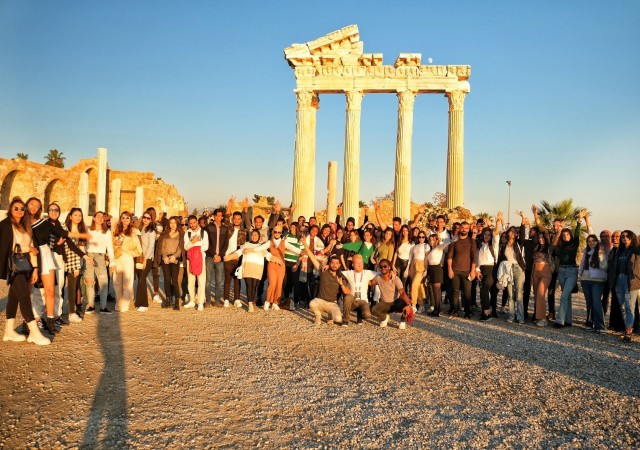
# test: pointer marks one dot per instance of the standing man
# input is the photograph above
(196, 240)
(218, 243)
(461, 262)
(237, 235)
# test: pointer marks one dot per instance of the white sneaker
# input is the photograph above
(157, 299)
(431, 309)
(385, 322)
(275, 307)
(415, 310)
(226, 303)
(142, 309)
(189, 304)
(74, 318)
(251, 307)
(542, 323)
(402, 326)
(237, 304)
(421, 310)
(267, 305)
(200, 308)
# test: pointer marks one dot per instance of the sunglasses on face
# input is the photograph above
(54, 210)
(18, 208)
(384, 267)
(422, 237)
(146, 218)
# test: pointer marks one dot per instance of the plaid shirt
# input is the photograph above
(72, 261)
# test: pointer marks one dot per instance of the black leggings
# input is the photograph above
(73, 288)
(487, 286)
(142, 298)
(20, 294)
(170, 272)
(252, 285)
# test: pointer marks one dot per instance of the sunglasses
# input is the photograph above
(384, 267)
(54, 210)
(277, 232)
(422, 237)
(18, 208)
(146, 217)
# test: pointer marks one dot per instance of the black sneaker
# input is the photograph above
(90, 310)
(434, 313)
(104, 311)
(61, 321)
(485, 318)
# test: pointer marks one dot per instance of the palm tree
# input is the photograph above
(563, 210)
(22, 156)
(488, 218)
(55, 158)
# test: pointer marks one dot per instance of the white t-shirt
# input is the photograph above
(359, 282)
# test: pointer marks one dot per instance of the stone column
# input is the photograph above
(455, 151)
(83, 193)
(332, 190)
(139, 202)
(101, 195)
(114, 203)
(402, 185)
(351, 176)
(304, 157)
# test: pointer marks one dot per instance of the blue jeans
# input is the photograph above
(567, 277)
(516, 291)
(626, 299)
(214, 270)
(593, 295)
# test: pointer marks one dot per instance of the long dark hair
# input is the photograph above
(634, 239)
(594, 260)
(120, 227)
(544, 247)
(22, 224)
(28, 215)
(82, 228)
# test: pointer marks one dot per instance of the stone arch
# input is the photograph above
(16, 182)
(92, 173)
(55, 192)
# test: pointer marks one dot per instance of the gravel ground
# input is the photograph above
(223, 378)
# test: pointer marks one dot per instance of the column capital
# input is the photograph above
(456, 100)
(307, 99)
(354, 99)
(406, 99)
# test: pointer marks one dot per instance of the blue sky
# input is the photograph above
(200, 94)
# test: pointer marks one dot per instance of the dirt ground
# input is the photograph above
(224, 378)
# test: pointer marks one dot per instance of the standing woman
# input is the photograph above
(364, 248)
(275, 267)
(512, 251)
(401, 257)
(625, 260)
(541, 276)
(593, 274)
(170, 250)
(435, 272)
(566, 246)
(73, 262)
(147, 230)
(100, 245)
(416, 270)
(253, 256)
(44, 231)
(387, 247)
(487, 261)
(126, 247)
(16, 230)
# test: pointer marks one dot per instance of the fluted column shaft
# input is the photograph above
(83, 193)
(402, 185)
(351, 175)
(332, 188)
(455, 151)
(304, 158)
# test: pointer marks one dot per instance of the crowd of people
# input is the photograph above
(333, 269)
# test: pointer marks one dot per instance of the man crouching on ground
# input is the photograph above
(389, 301)
(330, 286)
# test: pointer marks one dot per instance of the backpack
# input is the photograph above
(194, 255)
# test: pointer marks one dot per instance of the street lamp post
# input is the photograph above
(509, 206)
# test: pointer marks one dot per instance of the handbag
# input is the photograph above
(239, 271)
(19, 263)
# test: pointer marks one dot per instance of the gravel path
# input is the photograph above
(223, 378)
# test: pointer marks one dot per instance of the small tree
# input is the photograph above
(22, 156)
(55, 158)
(195, 212)
(440, 199)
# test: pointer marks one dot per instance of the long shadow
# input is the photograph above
(536, 348)
(107, 422)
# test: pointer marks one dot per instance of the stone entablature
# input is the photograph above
(79, 186)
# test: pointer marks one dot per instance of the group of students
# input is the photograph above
(373, 270)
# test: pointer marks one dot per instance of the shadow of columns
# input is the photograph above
(107, 422)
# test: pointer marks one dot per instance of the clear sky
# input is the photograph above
(200, 94)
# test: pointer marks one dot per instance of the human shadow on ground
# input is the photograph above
(107, 425)
(532, 345)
